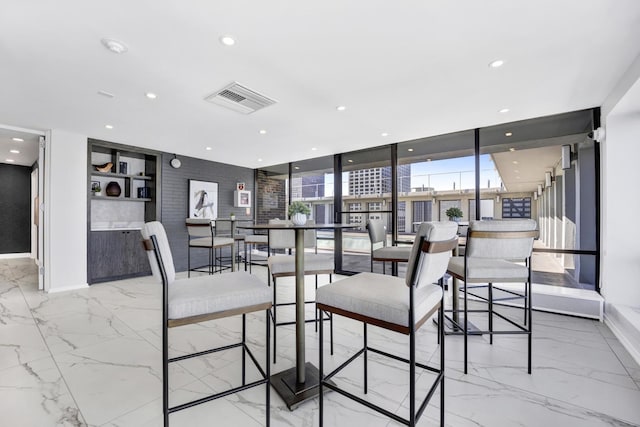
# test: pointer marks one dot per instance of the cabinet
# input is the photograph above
(114, 249)
(116, 255)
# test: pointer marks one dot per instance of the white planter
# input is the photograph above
(299, 219)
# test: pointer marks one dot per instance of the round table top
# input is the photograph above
(293, 227)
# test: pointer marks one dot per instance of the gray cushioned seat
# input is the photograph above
(214, 294)
(256, 238)
(488, 270)
(283, 264)
(380, 297)
(205, 242)
(393, 252)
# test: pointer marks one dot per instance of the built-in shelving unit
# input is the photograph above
(114, 249)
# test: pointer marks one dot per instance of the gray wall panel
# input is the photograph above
(175, 189)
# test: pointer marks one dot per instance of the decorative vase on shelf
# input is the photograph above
(299, 219)
(113, 189)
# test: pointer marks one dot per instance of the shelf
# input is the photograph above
(120, 199)
(120, 175)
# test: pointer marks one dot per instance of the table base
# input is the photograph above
(450, 328)
(293, 393)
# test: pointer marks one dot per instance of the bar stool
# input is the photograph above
(285, 266)
(379, 249)
(395, 304)
(201, 236)
(200, 299)
(497, 251)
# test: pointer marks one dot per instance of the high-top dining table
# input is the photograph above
(300, 383)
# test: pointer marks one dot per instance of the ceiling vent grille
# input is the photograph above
(240, 98)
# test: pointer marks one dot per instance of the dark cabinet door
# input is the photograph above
(116, 255)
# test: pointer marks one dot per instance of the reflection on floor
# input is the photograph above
(92, 358)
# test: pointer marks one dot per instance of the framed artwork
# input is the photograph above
(203, 199)
(242, 199)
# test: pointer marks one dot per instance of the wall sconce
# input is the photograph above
(566, 157)
(548, 179)
(539, 189)
(498, 198)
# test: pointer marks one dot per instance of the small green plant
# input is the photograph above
(298, 207)
(453, 212)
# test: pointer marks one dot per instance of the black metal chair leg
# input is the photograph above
(490, 290)
(366, 377)
(321, 378)
(275, 320)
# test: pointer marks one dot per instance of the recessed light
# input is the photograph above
(504, 110)
(512, 149)
(208, 148)
(259, 160)
(10, 160)
(17, 139)
(497, 63)
(151, 95)
(384, 134)
(313, 149)
(515, 162)
(508, 133)
(516, 171)
(350, 161)
(227, 40)
(14, 151)
(263, 132)
(341, 108)
(428, 160)
(106, 94)
(296, 167)
(114, 46)
(108, 126)
(409, 149)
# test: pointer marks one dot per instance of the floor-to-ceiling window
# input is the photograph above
(312, 184)
(366, 178)
(528, 157)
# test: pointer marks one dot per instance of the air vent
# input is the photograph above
(240, 98)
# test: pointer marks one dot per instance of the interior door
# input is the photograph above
(41, 219)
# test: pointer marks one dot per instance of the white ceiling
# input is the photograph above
(27, 148)
(411, 68)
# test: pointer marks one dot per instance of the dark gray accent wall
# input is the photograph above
(15, 209)
(175, 201)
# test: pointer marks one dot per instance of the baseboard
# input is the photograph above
(68, 288)
(16, 255)
(626, 330)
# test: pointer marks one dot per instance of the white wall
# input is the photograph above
(65, 211)
(620, 208)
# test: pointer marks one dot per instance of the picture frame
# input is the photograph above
(203, 199)
(242, 199)
(123, 166)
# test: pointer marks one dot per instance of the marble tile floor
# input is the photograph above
(92, 358)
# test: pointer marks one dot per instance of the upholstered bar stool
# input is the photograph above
(201, 236)
(200, 299)
(379, 249)
(497, 251)
(399, 305)
(285, 266)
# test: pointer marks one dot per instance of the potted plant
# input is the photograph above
(454, 214)
(97, 190)
(298, 212)
(232, 217)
